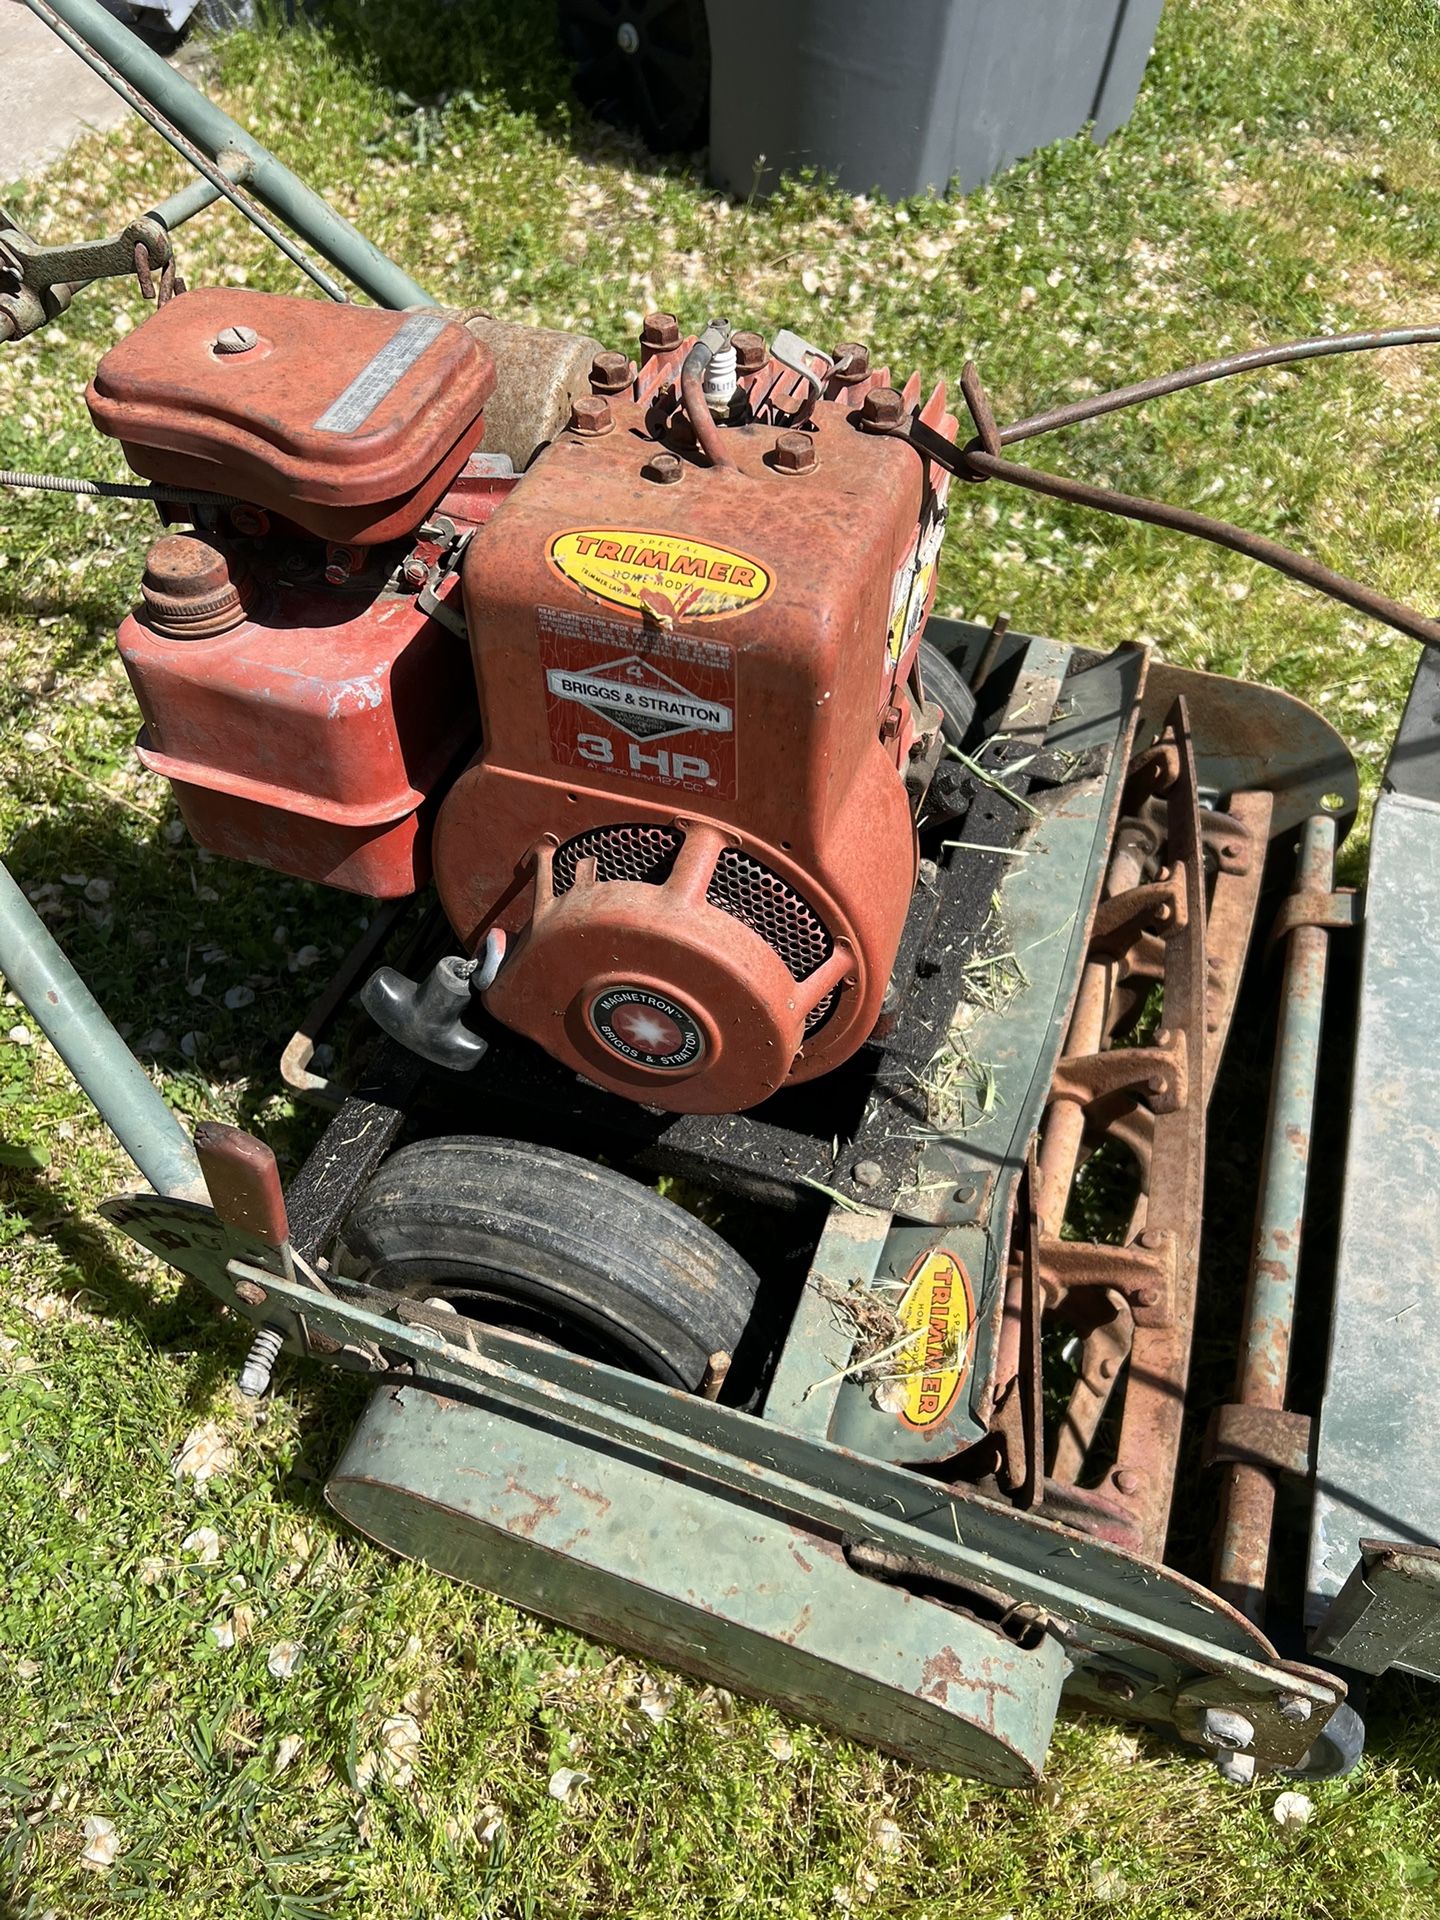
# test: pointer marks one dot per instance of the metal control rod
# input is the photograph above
(225, 154)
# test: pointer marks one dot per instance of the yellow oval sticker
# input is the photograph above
(939, 1309)
(658, 573)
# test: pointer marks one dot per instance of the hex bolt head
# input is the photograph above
(236, 340)
(867, 1173)
(664, 469)
(750, 354)
(590, 415)
(250, 1293)
(1117, 1686)
(883, 410)
(852, 362)
(794, 453)
(611, 373)
(1237, 1769)
(1295, 1710)
(1223, 1727)
(660, 333)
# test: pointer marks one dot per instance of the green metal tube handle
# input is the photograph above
(60, 1003)
(226, 155)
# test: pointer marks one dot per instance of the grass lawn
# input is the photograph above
(1281, 176)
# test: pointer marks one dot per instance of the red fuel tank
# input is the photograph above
(303, 726)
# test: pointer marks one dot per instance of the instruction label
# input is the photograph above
(641, 702)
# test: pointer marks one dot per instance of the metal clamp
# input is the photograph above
(1314, 907)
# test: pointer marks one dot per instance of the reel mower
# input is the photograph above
(769, 1204)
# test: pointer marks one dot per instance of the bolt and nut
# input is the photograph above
(750, 354)
(660, 333)
(1295, 1710)
(590, 415)
(236, 340)
(852, 363)
(794, 453)
(883, 410)
(664, 469)
(250, 1293)
(1223, 1727)
(611, 373)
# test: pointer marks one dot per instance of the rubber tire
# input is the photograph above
(942, 682)
(1337, 1749)
(541, 1240)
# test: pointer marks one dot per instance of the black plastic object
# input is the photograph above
(643, 64)
(553, 1246)
(905, 98)
(945, 683)
(429, 1017)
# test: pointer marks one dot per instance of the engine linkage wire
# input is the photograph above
(983, 459)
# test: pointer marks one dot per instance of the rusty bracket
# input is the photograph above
(1158, 1073)
(1154, 907)
(37, 283)
(1261, 1437)
(1228, 838)
(1314, 908)
(1144, 1272)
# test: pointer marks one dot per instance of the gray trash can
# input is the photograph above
(913, 94)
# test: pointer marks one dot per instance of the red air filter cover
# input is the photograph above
(349, 421)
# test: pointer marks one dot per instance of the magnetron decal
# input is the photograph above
(642, 703)
(662, 574)
(939, 1310)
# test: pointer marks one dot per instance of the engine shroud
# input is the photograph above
(690, 814)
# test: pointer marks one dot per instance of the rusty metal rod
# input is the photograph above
(1314, 348)
(1220, 533)
(1248, 1493)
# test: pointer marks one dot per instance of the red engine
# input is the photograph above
(693, 625)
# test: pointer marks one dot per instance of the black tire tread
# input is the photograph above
(558, 1233)
(943, 682)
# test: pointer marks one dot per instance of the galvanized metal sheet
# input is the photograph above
(1387, 1614)
(1377, 1469)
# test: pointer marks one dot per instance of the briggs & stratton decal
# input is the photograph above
(640, 702)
